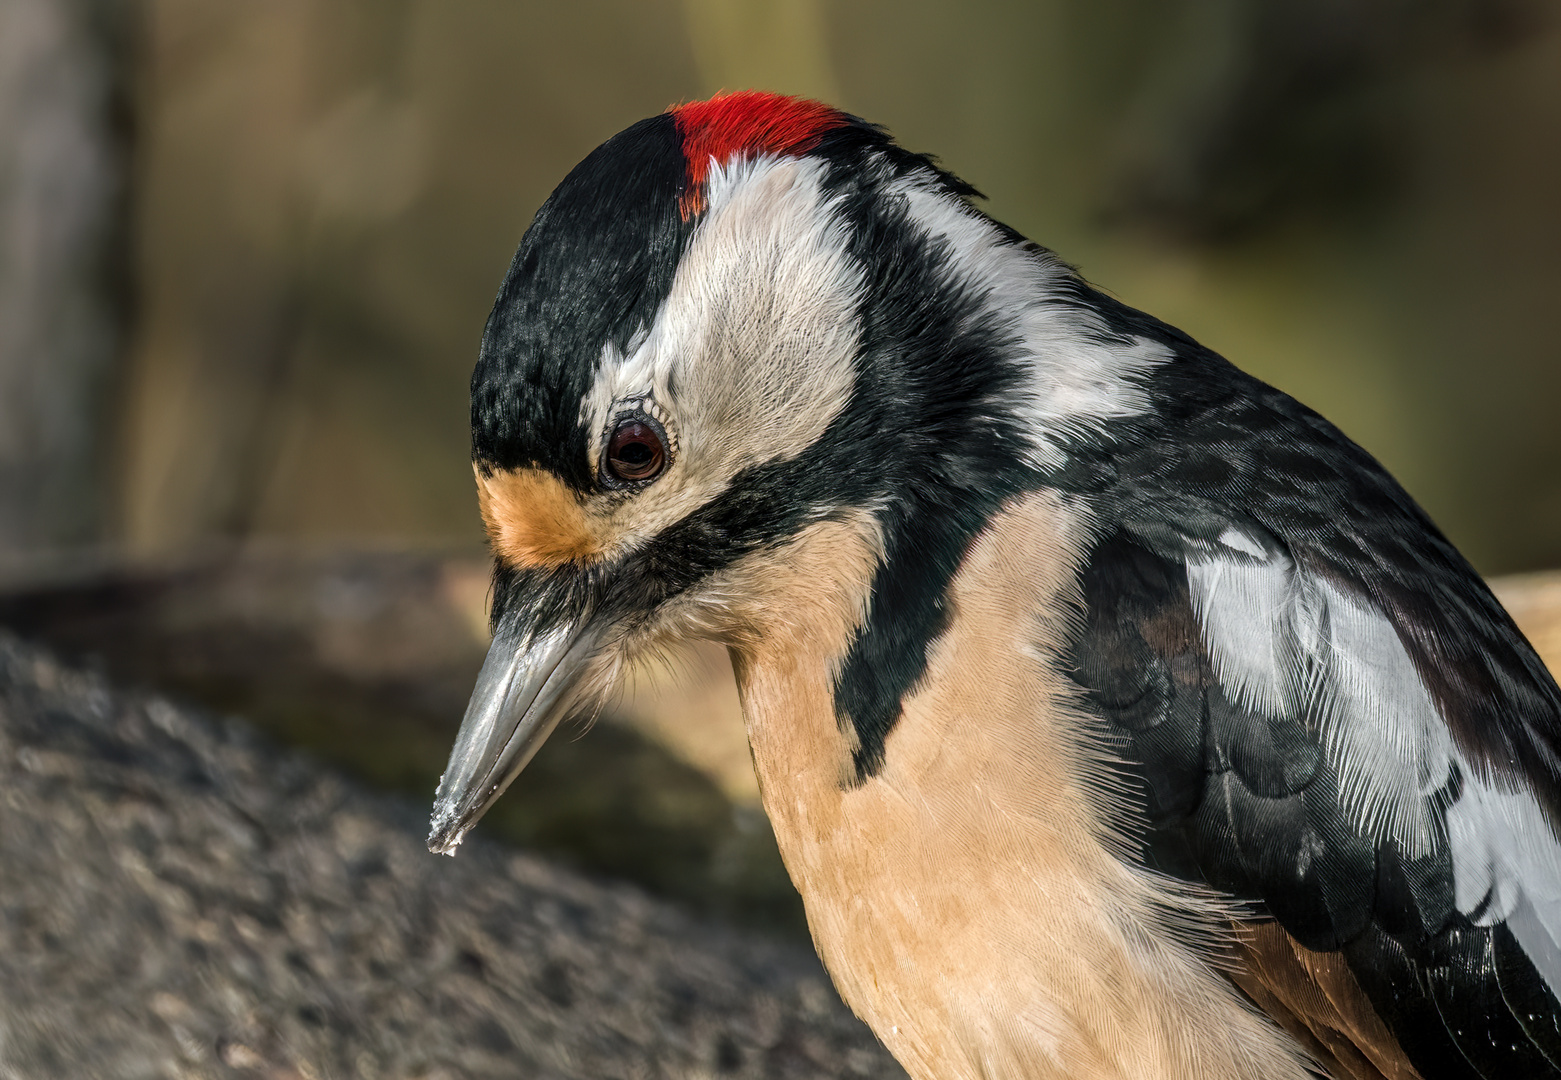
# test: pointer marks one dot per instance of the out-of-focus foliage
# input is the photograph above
(1354, 199)
(328, 195)
(62, 143)
(1251, 114)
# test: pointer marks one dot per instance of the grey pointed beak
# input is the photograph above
(525, 688)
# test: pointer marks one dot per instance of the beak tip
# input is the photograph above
(522, 692)
(446, 831)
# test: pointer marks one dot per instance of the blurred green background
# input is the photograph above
(247, 249)
(1358, 200)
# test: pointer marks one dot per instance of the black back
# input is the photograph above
(1250, 804)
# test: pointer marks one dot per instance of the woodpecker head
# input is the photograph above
(756, 370)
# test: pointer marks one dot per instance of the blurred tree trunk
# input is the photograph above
(62, 281)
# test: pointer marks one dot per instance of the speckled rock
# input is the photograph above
(179, 899)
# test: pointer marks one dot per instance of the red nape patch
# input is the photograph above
(747, 122)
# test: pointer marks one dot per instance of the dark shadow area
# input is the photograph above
(1254, 116)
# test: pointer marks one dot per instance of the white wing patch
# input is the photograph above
(1507, 867)
(1286, 642)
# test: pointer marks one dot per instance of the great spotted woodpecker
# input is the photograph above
(1117, 715)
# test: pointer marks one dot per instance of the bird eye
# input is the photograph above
(635, 452)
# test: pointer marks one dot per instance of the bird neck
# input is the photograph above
(804, 604)
(979, 872)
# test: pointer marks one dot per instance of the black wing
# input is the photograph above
(1331, 715)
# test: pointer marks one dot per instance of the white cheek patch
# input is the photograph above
(1078, 381)
(763, 317)
(751, 356)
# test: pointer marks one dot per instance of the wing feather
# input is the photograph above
(1381, 844)
(1331, 715)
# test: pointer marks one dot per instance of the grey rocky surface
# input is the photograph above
(366, 659)
(180, 899)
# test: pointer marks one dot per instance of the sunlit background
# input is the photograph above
(247, 249)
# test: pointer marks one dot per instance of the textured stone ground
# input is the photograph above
(178, 899)
(367, 658)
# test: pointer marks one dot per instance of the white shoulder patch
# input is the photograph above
(1284, 642)
(1507, 867)
(1078, 381)
(1287, 642)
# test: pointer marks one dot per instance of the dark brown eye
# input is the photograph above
(635, 451)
